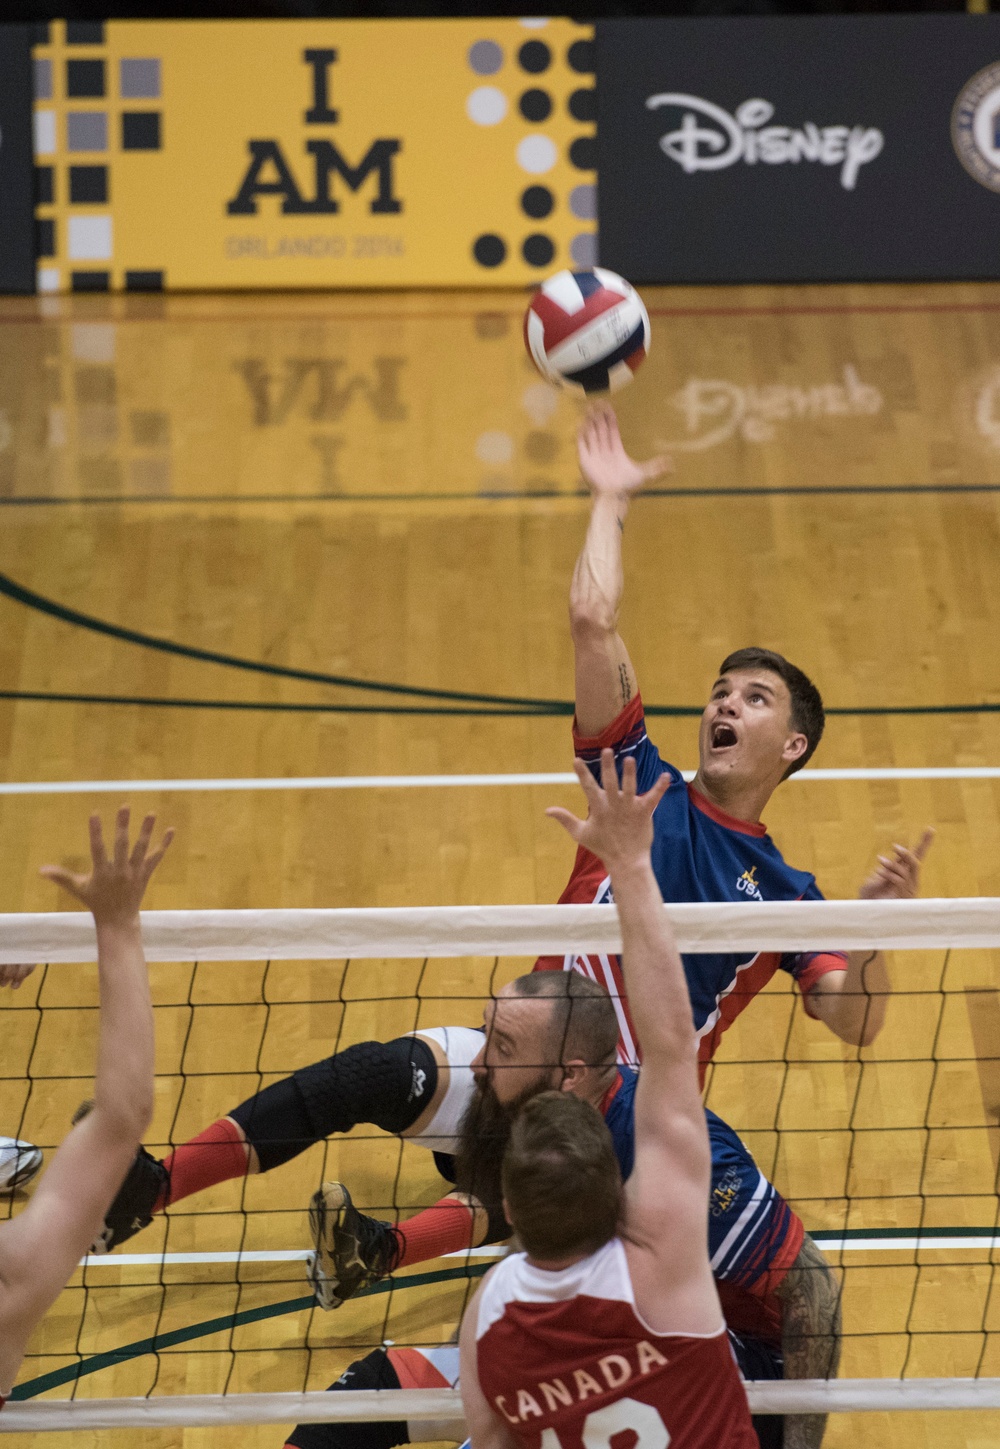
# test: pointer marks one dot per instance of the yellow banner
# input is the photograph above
(314, 154)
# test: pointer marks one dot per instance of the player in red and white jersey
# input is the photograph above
(609, 1320)
(40, 1248)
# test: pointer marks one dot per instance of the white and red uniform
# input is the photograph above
(566, 1360)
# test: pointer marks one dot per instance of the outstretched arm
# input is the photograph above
(40, 1248)
(667, 1192)
(605, 678)
(853, 1003)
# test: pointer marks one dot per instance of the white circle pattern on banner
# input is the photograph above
(537, 154)
(975, 127)
(486, 106)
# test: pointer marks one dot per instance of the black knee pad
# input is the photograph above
(388, 1084)
(276, 1124)
(373, 1372)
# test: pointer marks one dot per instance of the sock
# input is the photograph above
(215, 1155)
(447, 1227)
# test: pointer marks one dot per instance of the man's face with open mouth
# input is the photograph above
(745, 727)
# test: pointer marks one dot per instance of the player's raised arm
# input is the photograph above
(40, 1248)
(668, 1189)
(605, 678)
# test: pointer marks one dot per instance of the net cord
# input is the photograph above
(444, 1406)
(441, 931)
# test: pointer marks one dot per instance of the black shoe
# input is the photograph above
(352, 1251)
(132, 1209)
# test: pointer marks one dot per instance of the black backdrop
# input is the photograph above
(914, 211)
(17, 242)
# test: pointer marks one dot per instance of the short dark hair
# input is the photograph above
(561, 1179)
(584, 1025)
(808, 716)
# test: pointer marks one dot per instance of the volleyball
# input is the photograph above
(587, 331)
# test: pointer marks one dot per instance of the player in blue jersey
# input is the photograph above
(763, 721)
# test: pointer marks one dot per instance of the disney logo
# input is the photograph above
(696, 146)
(715, 410)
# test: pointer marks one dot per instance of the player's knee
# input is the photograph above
(386, 1084)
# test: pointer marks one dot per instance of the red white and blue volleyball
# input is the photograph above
(587, 331)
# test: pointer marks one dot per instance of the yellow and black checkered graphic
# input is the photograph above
(313, 154)
(97, 115)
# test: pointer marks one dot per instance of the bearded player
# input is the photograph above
(609, 1320)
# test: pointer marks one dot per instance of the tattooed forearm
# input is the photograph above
(624, 681)
(810, 1336)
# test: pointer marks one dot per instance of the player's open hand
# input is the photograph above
(114, 888)
(897, 877)
(619, 824)
(13, 975)
(605, 465)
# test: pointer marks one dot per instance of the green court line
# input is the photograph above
(33, 1387)
(454, 701)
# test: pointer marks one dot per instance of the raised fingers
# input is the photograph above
(653, 796)
(121, 836)
(609, 775)
(59, 875)
(142, 841)
(656, 467)
(153, 860)
(567, 820)
(926, 841)
(97, 852)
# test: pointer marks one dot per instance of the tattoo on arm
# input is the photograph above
(624, 681)
(811, 1330)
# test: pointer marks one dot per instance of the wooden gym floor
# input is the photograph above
(380, 488)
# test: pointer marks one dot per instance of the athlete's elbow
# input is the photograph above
(592, 617)
(870, 1028)
(125, 1117)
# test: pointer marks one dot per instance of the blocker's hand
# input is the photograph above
(604, 463)
(114, 888)
(897, 877)
(13, 975)
(619, 825)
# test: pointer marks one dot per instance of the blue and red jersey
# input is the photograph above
(699, 854)
(754, 1237)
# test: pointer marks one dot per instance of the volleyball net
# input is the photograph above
(888, 1152)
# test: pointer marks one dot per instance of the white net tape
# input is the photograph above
(319, 935)
(441, 1409)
